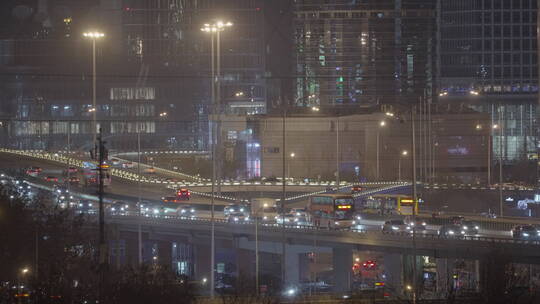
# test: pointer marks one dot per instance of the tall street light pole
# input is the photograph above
(402, 154)
(94, 35)
(214, 29)
(500, 128)
(382, 123)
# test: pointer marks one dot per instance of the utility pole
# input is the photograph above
(102, 152)
(415, 200)
(283, 196)
(139, 227)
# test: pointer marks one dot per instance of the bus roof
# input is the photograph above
(334, 195)
(390, 196)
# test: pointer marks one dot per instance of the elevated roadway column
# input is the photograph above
(342, 260)
(393, 270)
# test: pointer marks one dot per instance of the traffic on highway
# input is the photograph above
(351, 211)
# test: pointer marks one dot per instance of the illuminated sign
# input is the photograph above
(344, 207)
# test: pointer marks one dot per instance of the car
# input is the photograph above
(451, 231)
(128, 165)
(120, 207)
(457, 220)
(289, 219)
(470, 227)
(183, 194)
(356, 189)
(526, 232)
(51, 178)
(237, 217)
(73, 180)
(299, 212)
(235, 208)
(115, 162)
(32, 172)
(150, 170)
(418, 224)
(86, 206)
(60, 190)
(186, 211)
(38, 169)
(395, 226)
(152, 209)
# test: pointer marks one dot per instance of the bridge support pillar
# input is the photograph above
(292, 266)
(342, 260)
(445, 271)
(165, 253)
(202, 262)
(393, 265)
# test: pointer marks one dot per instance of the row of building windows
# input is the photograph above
(365, 14)
(40, 128)
(488, 4)
(482, 17)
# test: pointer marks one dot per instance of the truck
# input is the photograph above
(264, 209)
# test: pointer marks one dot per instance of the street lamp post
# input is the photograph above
(382, 123)
(94, 35)
(402, 154)
(500, 128)
(292, 155)
(214, 29)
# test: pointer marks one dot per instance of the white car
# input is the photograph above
(128, 165)
(299, 212)
(290, 219)
(237, 217)
(395, 226)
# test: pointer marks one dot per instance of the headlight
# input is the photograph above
(122, 209)
(295, 219)
(71, 197)
(465, 227)
(354, 222)
(62, 197)
(451, 232)
(265, 218)
(192, 210)
(336, 223)
(113, 209)
(246, 218)
(90, 205)
(358, 218)
(231, 210)
(126, 206)
(241, 209)
(525, 234)
(424, 224)
(156, 211)
(183, 211)
(297, 213)
(80, 205)
(236, 219)
(476, 227)
(462, 232)
(408, 228)
(395, 228)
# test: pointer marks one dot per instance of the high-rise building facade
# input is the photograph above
(489, 61)
(153, 70)
(363, 53)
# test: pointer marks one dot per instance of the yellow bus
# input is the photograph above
(389, 204)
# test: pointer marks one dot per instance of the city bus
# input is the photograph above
(387, 204)
(331, 210)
